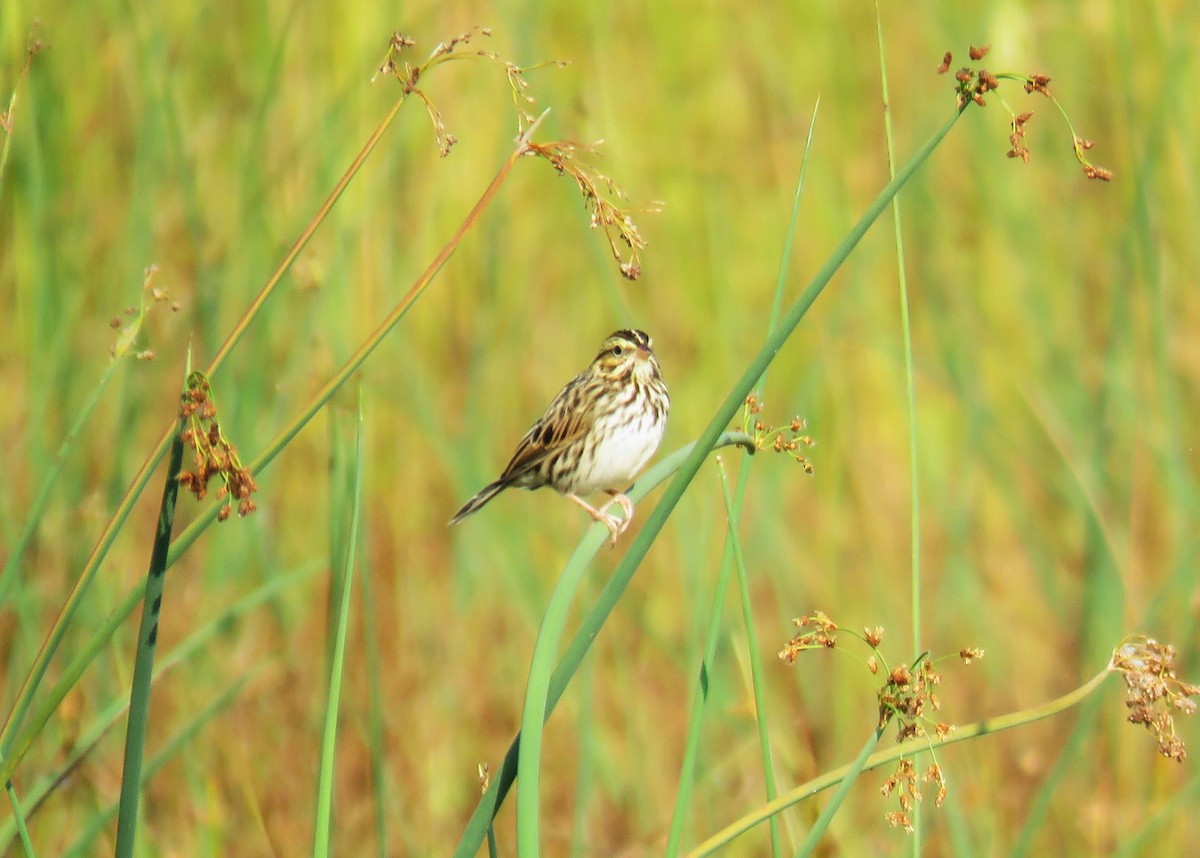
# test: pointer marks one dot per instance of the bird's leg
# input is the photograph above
(621, 500)
(615, 528)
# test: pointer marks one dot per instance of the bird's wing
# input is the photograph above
(566, 420)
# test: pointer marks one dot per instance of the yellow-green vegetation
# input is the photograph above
(158, 163)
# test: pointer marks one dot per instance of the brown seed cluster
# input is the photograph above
(618, 226)
(410, 75)
(1153, 692)
(1090, 170)
(33, 46)
(821, 634)
(790, 439)
(907, 697)
(598, 191)
(132, 332)
(1017, 138)
(971, 85)
(624, 238)
(905, 783)
(969, 654)
(214, 453)
(1038, 83)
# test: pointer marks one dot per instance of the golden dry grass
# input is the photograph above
(1056, 371)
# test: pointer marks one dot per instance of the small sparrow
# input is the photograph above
(596, 435)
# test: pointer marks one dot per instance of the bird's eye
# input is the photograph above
(618, 351)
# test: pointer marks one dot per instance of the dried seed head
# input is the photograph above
(214, 453)
(969, 654)
(1038, 83)
(1153, 692)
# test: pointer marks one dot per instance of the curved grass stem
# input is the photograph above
(540, 692)
(9, 733)
(970, 731)
(476, 829)
(143, 667)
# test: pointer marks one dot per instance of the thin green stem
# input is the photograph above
(910, 389)
(906, 333)
(375, 734)
(789, 238)
(10, 759)
(835, 802)
(143, 668)
(540, 691)
(700, 699)
(92, 566)
(881, 758)
(10, 115)
(321, 836)
(38, 507)
(105, 720)
(19, 816)
(178, 742)
(758, 680)
(475, 831)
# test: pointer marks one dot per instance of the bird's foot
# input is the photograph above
(616, 526)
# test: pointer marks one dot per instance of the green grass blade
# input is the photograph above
(789, 239)
(910, 390)
(830, 810)
(91, 567)
(143, 669)
(10, 750)
(473, 836)
(19, 819)
(375, 709)
(546, 646)
(538, 694)
(758, 680)
(321, 837)
(700, 697)
(10, 114)
(37, 509)
(107, 718)
(964, 733)
(83, 846)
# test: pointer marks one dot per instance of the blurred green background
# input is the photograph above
(1056, 359)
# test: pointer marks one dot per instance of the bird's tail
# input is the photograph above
(485, 494)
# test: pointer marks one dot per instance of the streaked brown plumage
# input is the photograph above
(596, 434)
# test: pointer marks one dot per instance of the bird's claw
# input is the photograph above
(616, 526)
